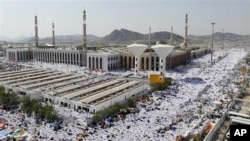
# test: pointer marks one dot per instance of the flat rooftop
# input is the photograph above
(78, 88)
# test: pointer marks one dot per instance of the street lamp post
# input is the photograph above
(212, 43)
(222, 38)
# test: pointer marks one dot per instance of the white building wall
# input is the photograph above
(119, 98)
(105, 61)
(56, 56)
(11, 54)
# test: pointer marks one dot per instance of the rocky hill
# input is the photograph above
(77, 38)
(219, 36)
(229, 39)
(121, 36)
(124, 36)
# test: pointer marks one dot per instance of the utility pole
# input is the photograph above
(212, 44)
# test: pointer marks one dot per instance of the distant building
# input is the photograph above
(101, 58)
(107, 58)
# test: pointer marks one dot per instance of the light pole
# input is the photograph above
(222, 38)
(212, 43)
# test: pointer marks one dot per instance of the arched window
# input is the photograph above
(71, 57)
(157, 63)
(152, 62)
(142, 63)
(97, 63)
(125, 62)
(101, 63)
(89, 62)
(18, 58)
(93, 62)
(121, 62)
(129, 62)
(133, 63)
(147, 63)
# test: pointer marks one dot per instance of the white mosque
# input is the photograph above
(137, 57)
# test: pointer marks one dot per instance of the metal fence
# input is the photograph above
(212, 133)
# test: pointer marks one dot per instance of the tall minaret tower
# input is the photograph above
(149, 37)
(53, 34)
(84, 39)
(36, 32)
(171, 36)
(186, 31)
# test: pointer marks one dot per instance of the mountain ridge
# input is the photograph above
(125, 36)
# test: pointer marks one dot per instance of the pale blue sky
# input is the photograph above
(103, 16)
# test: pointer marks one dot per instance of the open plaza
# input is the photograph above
(186, 108)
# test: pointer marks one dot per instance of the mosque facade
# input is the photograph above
(106, 58)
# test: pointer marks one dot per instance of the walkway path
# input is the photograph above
(221, 134)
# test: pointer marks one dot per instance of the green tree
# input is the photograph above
(96, 118)
(2, 90)
(36, 107)
(26, 105)
(50, 113)
(13, 100)
(8, 100)
(114, 109)
(131, 102)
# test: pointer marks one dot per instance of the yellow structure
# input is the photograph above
(156, 78)
(243, 70)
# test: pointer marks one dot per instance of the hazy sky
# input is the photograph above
(103, 16)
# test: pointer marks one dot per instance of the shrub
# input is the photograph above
(114, 109)
(162, 86)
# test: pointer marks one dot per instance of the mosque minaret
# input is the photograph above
(185, 42)
(84, 39)
(53, 35)
(149, 37)
(171, 36)
(36, 32)
(186, 31)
